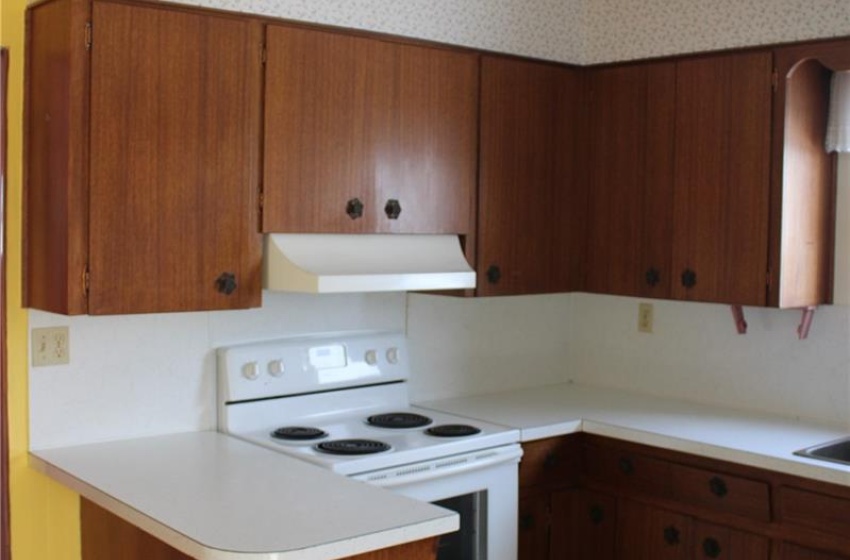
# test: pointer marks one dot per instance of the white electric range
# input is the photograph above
(340, 401)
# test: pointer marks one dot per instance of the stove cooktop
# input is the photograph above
(311, 398)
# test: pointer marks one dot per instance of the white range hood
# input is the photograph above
(328, 264)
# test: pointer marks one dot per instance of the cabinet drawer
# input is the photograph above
(816, 511)
(787, 551)
(550, 462)
(627, 471)
(721, 492)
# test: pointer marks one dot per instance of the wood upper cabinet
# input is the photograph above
(356, 123)
(143, 160)
(722, 178)
(630, 178)
(532, 204)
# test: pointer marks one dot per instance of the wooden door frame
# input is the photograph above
(5, 547)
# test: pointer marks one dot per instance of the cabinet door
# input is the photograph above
(175, 100)
(714, 541)
(632, 116)
(721, 200)
(325, 114)
(351, 118)
(648, 533)
(533, 533)
(583, 526)
(429, 163)
(531, 207)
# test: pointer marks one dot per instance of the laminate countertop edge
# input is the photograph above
(144, 482)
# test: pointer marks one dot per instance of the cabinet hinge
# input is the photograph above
(264, 54)
(86, 281)
(262, 201)
(774, 81)
(88, 35)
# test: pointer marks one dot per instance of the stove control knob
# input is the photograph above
(276, 368)
(392, 355)
(371, 357)
(251, 371)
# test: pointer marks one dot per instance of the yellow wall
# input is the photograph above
(45, 515)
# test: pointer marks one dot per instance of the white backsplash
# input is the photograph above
(696, 354)
(135, 375)
(482, 345)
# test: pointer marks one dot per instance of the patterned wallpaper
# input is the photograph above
(578, 31)
(625, 29)
(528, 27)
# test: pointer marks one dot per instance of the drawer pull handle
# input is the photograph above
(711, 548)
(494, 274)
(718, 486)
(526, 522)
(551, 461)
(597, 514)
(626, 466)
(671, 535)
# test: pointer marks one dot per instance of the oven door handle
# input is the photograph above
(438, 468)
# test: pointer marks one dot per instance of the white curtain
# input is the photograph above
(838, 129)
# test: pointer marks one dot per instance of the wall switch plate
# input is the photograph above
(645, 317)
(50, 346)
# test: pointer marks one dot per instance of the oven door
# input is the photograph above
(481, 486)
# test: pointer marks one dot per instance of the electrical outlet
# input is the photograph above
(50, 346)
(645, 317)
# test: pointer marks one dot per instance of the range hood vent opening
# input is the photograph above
(326, 264)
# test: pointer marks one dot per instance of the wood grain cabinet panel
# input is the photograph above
(534, 526)
(349, 117)
(722, 178)
(715, 541)
(164, 212)
(532, 202)
(630, 177)
(584, 525)
(721, 492)
(649, 533)
(788, 551)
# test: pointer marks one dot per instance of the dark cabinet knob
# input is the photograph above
(551, 461)
(494, 274)
(226, 283)
(653, 277)
(597, 514)
(626, 466)
(671, 535)
(689, 278)
(526, 522)
(711, 547)
(717, 486)
(354, 208)
(392, 209)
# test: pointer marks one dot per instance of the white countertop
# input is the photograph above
(747, 438)
(214, 497)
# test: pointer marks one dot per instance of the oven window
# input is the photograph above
(469, 542)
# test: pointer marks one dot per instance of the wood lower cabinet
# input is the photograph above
(364, 135)
(143, 159)
(584, 525)
(532, 208)
(105, 536)
(787, 551)
(628, 501)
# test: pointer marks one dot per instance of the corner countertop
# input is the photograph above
(747, 438)
(215, 497)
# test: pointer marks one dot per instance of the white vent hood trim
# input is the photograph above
(326, 264)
